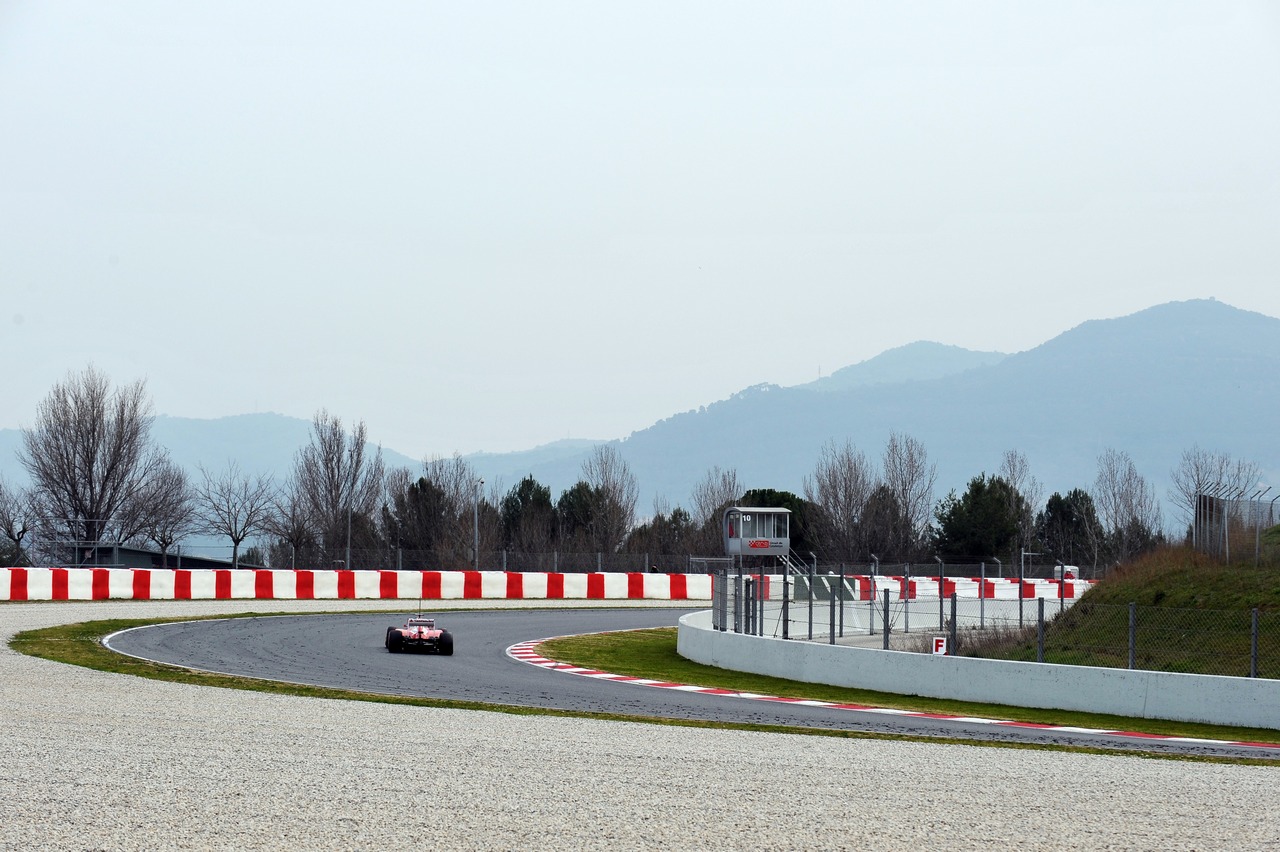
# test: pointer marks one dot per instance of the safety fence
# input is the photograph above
(1032, 621)
(69, 584)
(1231, 526)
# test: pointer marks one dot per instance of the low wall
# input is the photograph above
(84, 584)
(1247, 702)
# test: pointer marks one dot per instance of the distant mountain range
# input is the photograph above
(1152, 384)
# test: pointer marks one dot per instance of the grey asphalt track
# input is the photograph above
(346, 652)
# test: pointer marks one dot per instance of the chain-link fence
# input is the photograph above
(285, 558)
(498, 560)
(1235, 527)
(851, 610)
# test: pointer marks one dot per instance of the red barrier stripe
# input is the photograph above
(515, 586)
(595, 587)
(61, 584)
(18, 584)
(263, 584)
(222, 584)
(472, 587)
(679, 587)
(306, 586)
(1028, 590)
(141, 584)
(635, 586)
(182, 585)
(346, 585)
(388, 585)
(431, 585)
(101, 584)
(555, 587)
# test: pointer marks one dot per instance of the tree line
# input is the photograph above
(97, 477)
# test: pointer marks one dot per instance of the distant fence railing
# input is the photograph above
(1033, 621)
(1232, 527)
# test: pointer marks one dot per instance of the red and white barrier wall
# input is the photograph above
(864, 587)
(84, 584)
(1000, 588)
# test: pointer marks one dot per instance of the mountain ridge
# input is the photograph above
(1152, 384)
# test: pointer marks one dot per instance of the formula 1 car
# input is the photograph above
(420, 634)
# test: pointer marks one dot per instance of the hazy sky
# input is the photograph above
(485, 226)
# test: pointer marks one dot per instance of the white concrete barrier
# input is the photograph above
(1247, 702)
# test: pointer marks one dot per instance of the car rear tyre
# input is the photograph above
(445, 646)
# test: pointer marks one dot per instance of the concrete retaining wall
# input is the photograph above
(1248, 702)
(84, 584)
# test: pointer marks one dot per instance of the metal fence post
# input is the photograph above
(841, 600)
(953, 623)
(786, 606)
(906, 603)
(871, 608)
(737, 603)
(810, 584)
(760, 595)
(1040, 630)
(1133, 633)
(1020, 597)
(718, 600)
(886, 619)
(831, 600)
(1253, 645)
(982, 599)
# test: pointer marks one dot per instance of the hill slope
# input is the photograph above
(1152, 384)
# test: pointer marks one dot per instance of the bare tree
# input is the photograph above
(168, 508)
(1203, 472)
(17, 519)
(89, 454)
(1016, 470)
(839, 489)
(467, 512)
(718, 490)
(910, 480)
(616, 493)
(1126, 504)
(290, 521)
(337, 478)
(235, 505)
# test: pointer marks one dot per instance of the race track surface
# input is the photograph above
(346, 652)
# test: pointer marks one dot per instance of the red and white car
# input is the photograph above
(420, 634)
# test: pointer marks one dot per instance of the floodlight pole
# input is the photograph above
(475, 525)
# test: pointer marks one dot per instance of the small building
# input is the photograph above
(756, 531)
(122, 556)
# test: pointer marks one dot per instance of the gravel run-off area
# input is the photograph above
(91, 760)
